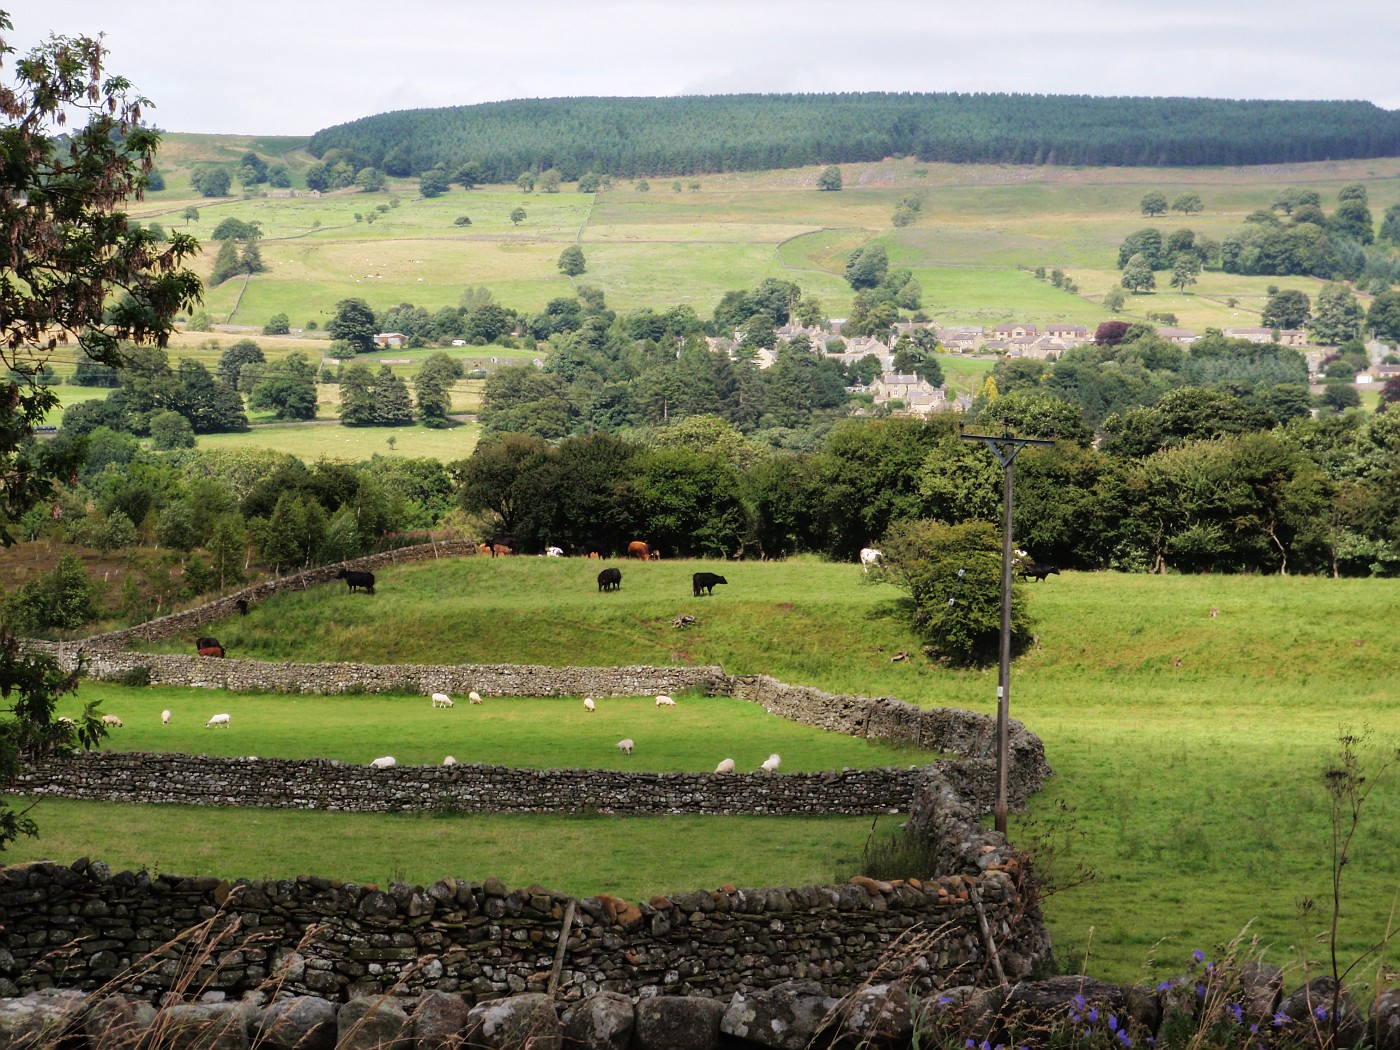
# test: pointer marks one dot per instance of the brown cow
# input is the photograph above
(639, 550)
(500, 550)
(484, 549)
(212, 650)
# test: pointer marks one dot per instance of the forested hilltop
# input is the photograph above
(632, 137)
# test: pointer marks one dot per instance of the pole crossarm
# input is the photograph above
(1001, 443)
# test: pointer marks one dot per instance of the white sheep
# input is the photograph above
(449, 761)
(442, 700)
(771, 764)
(387, 762)
(66, 722)
(664, 701)
(589, 705)
(727, 766)
(112, 720)
(218, 720)
(165, 718)
(474, 697)
(625, 746)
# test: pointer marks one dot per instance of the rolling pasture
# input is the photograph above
(1188, 749)
(981, 229)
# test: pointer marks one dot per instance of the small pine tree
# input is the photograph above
(226, 263)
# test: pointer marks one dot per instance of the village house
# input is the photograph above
(1068, 334)
(1015, 331)
(1295, 337)
(916, 396)
(960, 338)
(390, 340)
(1180, 336)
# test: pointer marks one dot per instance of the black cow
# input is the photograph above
(357, 580)
(206, 643)
(705, 581)
(1038, 571)
(242, 605)
(592, 549)
(610, 580)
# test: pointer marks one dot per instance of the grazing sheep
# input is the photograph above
(218, 720)
(387, 762)
(771, 764)
(474, 697)
(665, 701)
(112, 720)
(727, 766)
(165, 718)
(66, 722)
(449, 761)
(625, 746)
(442, 700)
(589, 705)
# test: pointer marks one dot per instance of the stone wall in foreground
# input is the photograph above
(80, 926)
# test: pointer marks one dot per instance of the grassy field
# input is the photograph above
(981, 227)
(1189, 748)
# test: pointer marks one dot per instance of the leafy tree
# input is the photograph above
(1185, 271)
(522, 399)
(1114, 299)
(642, 186)
(571, 261)
(1037, 414)
(1153, 203)
(1383, 318)
(354, 322)
(211, 405)
(171, 430)
(226, 263)
(371, 180)
(212, 182)
(433, 385)
(549, 180)
(392, 404)
(1390, 225)
(93, 373)
(433, 183)
(63, 599)
(589, 182)
(517, 216)
(867, 267)
(232, 360)
(1138, 276)
(953, 575)
(277, 324)
(1353, 219)
(469, 175)
(74, 270)
(231, 229)
(1354, 191)
(462, 220)
(525, 182)
(279, 176)
(1186, 203)
(1339, 315)
(357, 407)
(287, 387)
(250, 259)
(830, 178)
(1146, 242)
(1288, 308)
(1340, 396)
(190, 214)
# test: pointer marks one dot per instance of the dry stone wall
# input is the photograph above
(321, 784)
(80, 926)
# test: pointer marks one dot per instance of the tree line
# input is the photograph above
(639, 137)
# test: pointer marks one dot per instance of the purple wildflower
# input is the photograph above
(1198, 955)
(1236, 1012)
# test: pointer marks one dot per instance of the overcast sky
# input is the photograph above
(294, 66)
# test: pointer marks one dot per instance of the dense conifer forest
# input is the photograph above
(632, 137)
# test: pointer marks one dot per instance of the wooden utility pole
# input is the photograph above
(1004, 446)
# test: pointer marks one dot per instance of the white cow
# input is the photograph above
(553, 552)
(218, 720)
(870, 556)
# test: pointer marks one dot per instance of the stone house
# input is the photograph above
(1068, 334)
(961, 338)
(1180, 336)
(1015, 331)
